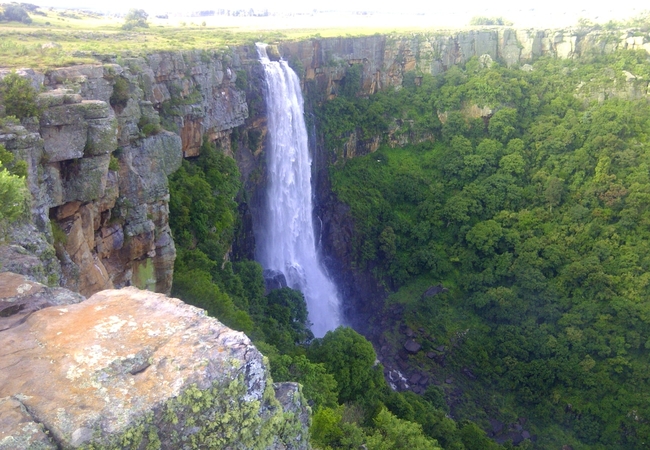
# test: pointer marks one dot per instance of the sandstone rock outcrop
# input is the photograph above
(131, 368)
(99, 159)
(385, 59)
(20, 296)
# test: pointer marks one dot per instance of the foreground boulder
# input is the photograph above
(133, 369)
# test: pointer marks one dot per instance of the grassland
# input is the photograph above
(59, 38)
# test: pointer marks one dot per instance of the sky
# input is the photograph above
(523, 14)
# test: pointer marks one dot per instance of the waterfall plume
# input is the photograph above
(286, 241)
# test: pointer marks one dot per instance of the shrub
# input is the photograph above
(147, 127)
(13, 192)
(114, 164)
(479, 20)
(12, 196)
(58, 234)
(241, 81)
(7, 161)
(135, 18)
(16, 13)
(19, 96)
(121, 93)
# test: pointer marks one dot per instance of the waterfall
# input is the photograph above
(285, 241)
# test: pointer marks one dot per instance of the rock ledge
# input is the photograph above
(133, 369)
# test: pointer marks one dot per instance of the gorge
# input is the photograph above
(515, 184)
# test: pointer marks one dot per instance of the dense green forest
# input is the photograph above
(351, 401)
(534, 216)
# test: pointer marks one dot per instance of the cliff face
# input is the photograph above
(98, 163)
(133, 369)
(99, 160)
(385, 59)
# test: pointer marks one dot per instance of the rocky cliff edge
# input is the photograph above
(133, 369)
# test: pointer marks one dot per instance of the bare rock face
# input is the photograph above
(18, 429)
(99, 209)
(131, 368)
(20, 296)
(196, 93)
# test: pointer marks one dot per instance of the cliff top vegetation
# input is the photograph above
(41, 38)
(58, 38)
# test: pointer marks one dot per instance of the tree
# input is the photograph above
(475, 439)
(513, 163)
(13, 192)
(135, 18)
(485, 235)
(351, 359)
(318, 386)
(393, 433)
(288, 307)
(502, 124)
(482, 20)
(387, 241)
(196, 288)
(16, 13)
(19, 96)
(553, 192)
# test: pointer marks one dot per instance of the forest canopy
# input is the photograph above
(533, 212)
(536, 217)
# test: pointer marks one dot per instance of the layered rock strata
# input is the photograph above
(98, 163)
(386, 58)
(133, 369)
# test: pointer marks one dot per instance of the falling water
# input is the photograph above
(286, 241)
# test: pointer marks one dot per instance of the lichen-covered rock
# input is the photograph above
(130, 369)
(64, 132)
(90, 80)
(20, 296)
(102, 136)
(28, 146)
(84, 179)
(29, 253)
(18, 429)
(15, 258)
(297, 415)
(58, 97)
(197, 91)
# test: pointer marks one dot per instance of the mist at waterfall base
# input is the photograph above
(286, 241)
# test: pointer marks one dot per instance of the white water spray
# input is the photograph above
(286, 243)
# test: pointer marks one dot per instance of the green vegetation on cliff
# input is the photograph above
(536, 217)
(13, 192)
(352, 402)
(18, 97)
